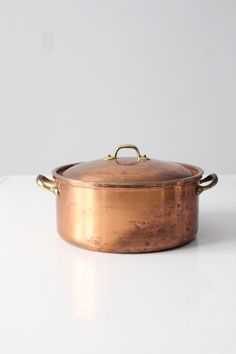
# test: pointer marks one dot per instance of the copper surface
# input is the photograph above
(125, 171)
(127, 205)
(128, 220)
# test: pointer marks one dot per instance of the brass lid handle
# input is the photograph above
(126, 146)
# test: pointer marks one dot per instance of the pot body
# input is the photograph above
(128, 220)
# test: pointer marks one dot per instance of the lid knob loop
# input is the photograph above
(126, 146)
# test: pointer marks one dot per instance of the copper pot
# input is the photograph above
(127, 205)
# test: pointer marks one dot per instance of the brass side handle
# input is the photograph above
(126, 146)
(212, 178)
(47, 184)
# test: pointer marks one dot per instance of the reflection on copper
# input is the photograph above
(128, 220)
(85, 285)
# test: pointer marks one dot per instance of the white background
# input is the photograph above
(79, 77)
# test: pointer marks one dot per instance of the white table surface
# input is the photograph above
(56, 298)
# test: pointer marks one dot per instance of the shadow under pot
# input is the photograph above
(127, 204)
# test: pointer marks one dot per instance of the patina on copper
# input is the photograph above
(127, 205)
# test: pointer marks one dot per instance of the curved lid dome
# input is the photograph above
(126, 171)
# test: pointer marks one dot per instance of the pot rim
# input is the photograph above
(57, 174)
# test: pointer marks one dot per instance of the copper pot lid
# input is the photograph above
(127, 171)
